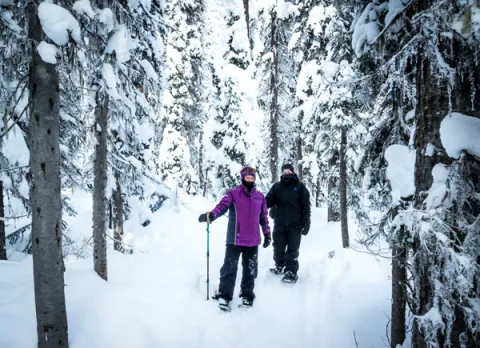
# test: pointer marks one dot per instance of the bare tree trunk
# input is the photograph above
(44, 131)
(118, 224)
(247, 17)
(299, 148)
(99, 186)
(200, 164)
(274, 104)
(343, 189)
(3, 246)
(333, 214)
(399, 293)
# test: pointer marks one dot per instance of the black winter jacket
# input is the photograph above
(290, 203)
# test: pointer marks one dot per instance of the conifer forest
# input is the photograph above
(123, 120)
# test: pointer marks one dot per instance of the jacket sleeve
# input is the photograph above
(264, 218)
(271, 199)
(223, 205)
(306, 207)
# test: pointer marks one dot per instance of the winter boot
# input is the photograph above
(277, 270)
(224, 304)
(246, 302)
(290, 277)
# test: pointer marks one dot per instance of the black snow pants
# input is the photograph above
(228, 272)
(286, 246)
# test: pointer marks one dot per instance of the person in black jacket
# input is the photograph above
(289, 201)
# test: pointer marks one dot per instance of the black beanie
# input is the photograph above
(289, 167)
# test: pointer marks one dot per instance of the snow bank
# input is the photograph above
(58, 23)
(459, 133)
(400, 170)
(48, 52)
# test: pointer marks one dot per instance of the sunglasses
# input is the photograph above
(250, 170)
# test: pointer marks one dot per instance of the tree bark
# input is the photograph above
(200, 165)
(333, 214)
(299, 149)
(399, 293)
(247, 17)
(99, 187)
(432, 106)
(274, 104)
(118, 224)
(3, 245)
(343, 189)
(44, 131)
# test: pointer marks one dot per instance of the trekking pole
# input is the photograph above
(208, 255)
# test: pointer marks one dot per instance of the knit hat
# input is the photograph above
(247, 170)
(289, 167)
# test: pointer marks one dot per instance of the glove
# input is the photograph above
(305, 229)
(267, 240)
(203, 217)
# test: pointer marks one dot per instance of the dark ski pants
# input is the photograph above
(228, 272)
(286, 246)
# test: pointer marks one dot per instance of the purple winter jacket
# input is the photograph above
(247, 210)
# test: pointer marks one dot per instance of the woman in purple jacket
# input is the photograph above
(247, 211)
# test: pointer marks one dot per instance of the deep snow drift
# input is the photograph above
(156, 297)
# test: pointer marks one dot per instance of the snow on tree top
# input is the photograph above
(122, 44)
(58, 23)
(84, 7)
(459, 133)
(48, 52)
(400, 170)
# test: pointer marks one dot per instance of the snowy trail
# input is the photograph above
(157, 299)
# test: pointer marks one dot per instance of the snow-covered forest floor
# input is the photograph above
(157, 296)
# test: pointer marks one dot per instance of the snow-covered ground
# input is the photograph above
(157, 298)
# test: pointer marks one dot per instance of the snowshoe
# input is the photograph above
(246, 303)
(224, 304)
(290, 277)
(216, 296)
(277, 270)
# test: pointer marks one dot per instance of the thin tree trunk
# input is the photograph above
(118, 225)
(99, 187)
(110, 215)
(399, 293)
(247, 17)
(343, 189)
(3, 246)
(299, 148)
(333, 213)
(318, 193)
(44, 131)
(274, 104)
(200, 164)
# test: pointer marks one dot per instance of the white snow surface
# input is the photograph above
(459, 133)
(157, 296)
(401, 170)
(58, 23)
(48, 52)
